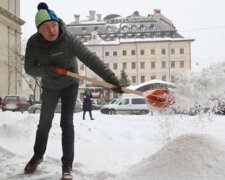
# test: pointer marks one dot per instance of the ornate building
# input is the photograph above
(145, 47)
(10, 48)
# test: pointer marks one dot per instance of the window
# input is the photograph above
(96, 28)
(133, 79)
(163, 64)
(152, 51)
(172, 51)
(142, 65)
(124, 52)
(133, 65)
(82, 67)
(172, 78)
(124, 65)
(114, 65)
(153, 77)
(142, 79)
(114, 53)
(81, 82)
(153, 65)
(107, 53)
(107, 65)
(132, 52)
(172, 64)
(142, 52)
(164, 77)
(84, 29)
(163, 51)
(181, 50)
(124, 102)
(138, 101)
(181, 64)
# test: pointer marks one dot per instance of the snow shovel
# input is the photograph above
(159, 98)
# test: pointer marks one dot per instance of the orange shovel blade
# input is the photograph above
(159, 98)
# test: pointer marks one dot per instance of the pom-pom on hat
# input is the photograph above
(44, 14)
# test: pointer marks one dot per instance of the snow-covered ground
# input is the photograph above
(129, 147)
(119, 147)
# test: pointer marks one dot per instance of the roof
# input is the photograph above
(114, 27)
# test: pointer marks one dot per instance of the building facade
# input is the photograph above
(145, 47)
(10, 48)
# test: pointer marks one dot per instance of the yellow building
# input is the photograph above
(145, 47)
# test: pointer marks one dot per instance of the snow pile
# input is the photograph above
(197, 88)
(190, 156)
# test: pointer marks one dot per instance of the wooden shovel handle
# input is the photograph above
(102, 83)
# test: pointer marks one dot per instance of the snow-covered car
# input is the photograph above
(127, 104)
(36, 108)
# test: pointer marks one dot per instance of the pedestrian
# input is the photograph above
(53, 46)
(0, 102)
(30, 101)
(87, 103)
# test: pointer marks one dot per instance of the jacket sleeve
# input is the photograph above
(91, 60)
(31, 66)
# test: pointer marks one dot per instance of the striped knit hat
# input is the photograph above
(44, 14)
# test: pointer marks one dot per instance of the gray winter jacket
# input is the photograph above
(42, 54)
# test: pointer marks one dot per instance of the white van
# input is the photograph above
(127, 104)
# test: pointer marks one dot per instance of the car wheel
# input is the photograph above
(37, 111)
(112, 111)
(143, 112)
(22, 110)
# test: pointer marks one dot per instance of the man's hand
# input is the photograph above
(114, 81)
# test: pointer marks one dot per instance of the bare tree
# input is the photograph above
(15, 64)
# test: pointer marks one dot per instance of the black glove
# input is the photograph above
(114, 81)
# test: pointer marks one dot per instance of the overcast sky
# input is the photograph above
(202, 20)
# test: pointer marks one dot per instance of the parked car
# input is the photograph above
(15, 103)
(127, 104)
(36, 108)
(113, 101)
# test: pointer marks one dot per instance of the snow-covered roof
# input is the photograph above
(152, 84)
(126, 28)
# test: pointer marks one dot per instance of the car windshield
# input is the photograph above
(114, 101)
(11, 98)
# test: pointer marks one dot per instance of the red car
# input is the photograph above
(15, 103)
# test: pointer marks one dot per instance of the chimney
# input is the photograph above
(91, 15)
(99, 17)
(157, 11)
(77, 19)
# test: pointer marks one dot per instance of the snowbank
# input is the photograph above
(190, 156)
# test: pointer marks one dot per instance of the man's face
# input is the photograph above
(49, 30)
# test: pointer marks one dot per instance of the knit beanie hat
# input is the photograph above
(44, 14)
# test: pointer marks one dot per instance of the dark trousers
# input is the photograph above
(84, 112)
(49, 101)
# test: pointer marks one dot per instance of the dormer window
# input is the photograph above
(84, 29)
(96, 28)
(108, 28)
